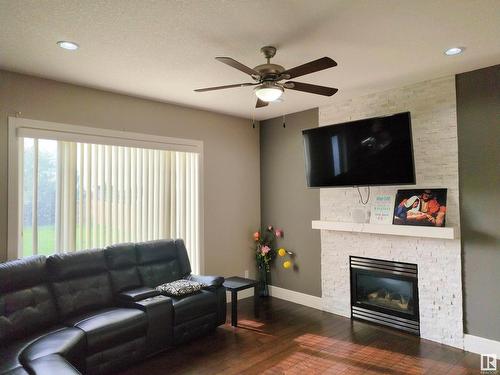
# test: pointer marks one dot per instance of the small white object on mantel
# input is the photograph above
(447, 233)
(382, 209)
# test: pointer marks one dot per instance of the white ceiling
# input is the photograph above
(165, 49)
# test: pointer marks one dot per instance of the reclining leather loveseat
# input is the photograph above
(96, 311)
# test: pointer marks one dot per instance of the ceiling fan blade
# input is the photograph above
(225, 87)
(237, 65)
(313, 89)
(261, 103)
(310, 67)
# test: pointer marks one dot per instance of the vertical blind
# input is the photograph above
(108, 194)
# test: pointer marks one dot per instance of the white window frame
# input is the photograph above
(22, 127)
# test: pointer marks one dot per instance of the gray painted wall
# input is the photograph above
(286, 202)
(230, 163)
(478, 112)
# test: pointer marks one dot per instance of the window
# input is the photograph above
(81, 190)
(39, 183)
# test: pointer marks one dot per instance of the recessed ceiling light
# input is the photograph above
(453, 51)
(71, 46)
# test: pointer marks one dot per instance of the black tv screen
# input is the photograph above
(375, 151)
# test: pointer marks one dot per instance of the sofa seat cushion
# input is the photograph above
(10, 351)
(67, 342)
(107, 327)
(193, 306)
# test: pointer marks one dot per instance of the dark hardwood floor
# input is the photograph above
(294, 339)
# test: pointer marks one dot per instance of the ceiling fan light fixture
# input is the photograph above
(268, 92)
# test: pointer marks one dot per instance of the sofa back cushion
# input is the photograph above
(159, 262)
(182, 256)
(26, 304)
(121, 260)
(80, 281)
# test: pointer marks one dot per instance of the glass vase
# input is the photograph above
(264, 288)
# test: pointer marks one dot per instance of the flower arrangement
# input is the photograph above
(266, 250)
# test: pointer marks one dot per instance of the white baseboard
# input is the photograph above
(481, 345)
(242, 294)
(296, 297)
(285, 294)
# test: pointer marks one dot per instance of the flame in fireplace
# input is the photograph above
(385, 298)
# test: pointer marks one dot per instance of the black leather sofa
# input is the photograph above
(96, 311)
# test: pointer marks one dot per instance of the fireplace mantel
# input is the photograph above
(447, 233)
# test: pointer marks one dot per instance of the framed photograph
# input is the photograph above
(425, 207)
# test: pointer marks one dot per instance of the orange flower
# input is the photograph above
(256, 236)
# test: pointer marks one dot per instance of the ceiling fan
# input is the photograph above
(267, 77)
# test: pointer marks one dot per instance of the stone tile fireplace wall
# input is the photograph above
(434, 125)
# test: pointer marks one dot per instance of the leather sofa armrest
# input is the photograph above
(210, 281)
(138, 294)
(160, 313)
(148, 303)
(50, 365)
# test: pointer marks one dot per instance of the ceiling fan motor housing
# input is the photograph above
(269, 72)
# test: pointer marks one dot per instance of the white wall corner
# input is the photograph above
(481, 345)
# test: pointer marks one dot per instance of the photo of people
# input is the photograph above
(420, 207)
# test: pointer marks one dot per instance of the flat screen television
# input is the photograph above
(374, 151)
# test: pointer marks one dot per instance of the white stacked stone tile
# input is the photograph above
(434, 126)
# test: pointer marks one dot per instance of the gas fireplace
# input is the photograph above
(385, 292)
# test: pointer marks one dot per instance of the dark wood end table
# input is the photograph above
(234, 284)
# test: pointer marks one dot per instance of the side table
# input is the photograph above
(234, 284)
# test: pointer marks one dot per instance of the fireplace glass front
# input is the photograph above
(385, 292)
